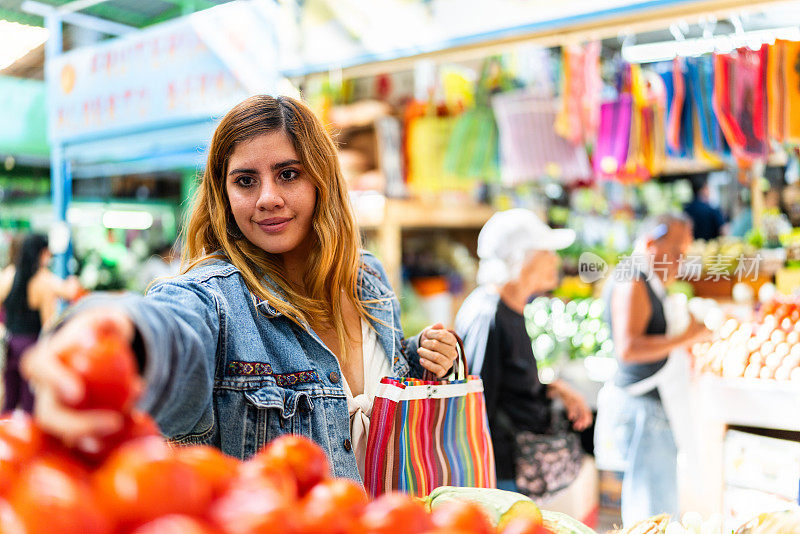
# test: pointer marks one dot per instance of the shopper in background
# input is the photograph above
(31, 302)
(162, 263)
(280, 324)
(707, 220)
(7, 274)
(517, 262)
(632, 421)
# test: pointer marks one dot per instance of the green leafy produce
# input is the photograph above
(567, 331)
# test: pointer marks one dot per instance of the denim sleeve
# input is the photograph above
(179, 326)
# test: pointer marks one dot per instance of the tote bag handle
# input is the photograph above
(459, 370)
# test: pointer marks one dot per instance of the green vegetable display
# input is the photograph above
(563, 331)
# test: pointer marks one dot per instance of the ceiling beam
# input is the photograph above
(77, 5)
(78, 19)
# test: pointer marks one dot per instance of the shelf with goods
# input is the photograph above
(747, 390)
(387, 221)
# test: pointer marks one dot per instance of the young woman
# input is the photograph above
(31, 302)
(279, 324)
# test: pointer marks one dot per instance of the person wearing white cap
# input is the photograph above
(518, 262)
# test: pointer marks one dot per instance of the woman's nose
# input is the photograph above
(269, 197)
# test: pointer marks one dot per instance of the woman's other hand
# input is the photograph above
(57, 387)
(438, 349)
(577, 410)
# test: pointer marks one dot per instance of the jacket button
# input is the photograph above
(347, 445)
(334, 376)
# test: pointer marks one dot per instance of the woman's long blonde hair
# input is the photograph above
(332, 268)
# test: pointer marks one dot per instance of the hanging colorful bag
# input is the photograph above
(429, 433)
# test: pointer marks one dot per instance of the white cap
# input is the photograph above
(519, 229)
(508, 236)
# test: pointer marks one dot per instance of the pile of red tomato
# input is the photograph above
(135, 482)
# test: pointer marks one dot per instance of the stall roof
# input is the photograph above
(139, 14)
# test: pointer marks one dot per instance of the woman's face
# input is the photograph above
(272, 198)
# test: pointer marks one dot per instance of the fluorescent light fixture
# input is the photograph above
(128, 220)
(664, 51)
(17, 39)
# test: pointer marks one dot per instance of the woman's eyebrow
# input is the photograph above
(286, 163)
(242, 171)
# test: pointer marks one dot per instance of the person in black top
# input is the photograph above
(517, 262)
(707, 220)
(635, 422)
(31, 303)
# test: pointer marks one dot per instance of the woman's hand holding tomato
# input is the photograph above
(84, 376)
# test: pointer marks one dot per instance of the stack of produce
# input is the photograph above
(719, 258)
(567, 331)
(135, 482)
(768, 347)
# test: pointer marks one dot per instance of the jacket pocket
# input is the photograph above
(279, 411)
(203, 433)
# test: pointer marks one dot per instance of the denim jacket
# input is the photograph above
(225, 368)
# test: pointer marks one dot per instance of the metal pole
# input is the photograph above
(60, 182)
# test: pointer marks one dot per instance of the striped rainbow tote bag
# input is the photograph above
(429, 433)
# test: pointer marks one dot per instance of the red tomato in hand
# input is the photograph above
(48, 497)
(144, 479)
(462, 515)
(106, 363)
(395, 513)
(303, 457)
(333, 507)
(216, 468)
(174, 524)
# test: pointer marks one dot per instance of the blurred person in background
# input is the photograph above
(31, 302)
(707, 220)
(276, 293)
(517, 263)
(642, 410)
(162, 263)
(7, 274)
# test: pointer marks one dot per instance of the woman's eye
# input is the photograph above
(289, 175)
(244, 181)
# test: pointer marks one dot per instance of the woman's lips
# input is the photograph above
(274, 225)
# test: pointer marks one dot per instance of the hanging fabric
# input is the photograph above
(530, 148)
(700, 72)
(791, 70)
(776, 91)
(472, 150)
(427, 136)
(740, 101)
(613, 137)
(679, 121)
(581, 85)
